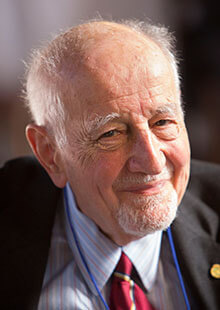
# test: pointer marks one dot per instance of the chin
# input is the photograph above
(146, 215)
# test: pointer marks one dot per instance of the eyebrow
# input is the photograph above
(168, 108)
(99, 121)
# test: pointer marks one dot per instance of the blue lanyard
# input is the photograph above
(170, 238)
(80, 252)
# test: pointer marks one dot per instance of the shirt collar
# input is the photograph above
(101, 254)
(144, 254)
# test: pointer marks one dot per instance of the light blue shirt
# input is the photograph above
(67, 284)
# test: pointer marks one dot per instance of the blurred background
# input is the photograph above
(26, 24)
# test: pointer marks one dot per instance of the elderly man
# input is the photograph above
(109, 130)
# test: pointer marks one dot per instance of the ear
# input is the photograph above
(47, 153)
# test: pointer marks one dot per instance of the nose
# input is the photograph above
(147, 155)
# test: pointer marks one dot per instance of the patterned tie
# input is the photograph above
(125, 294)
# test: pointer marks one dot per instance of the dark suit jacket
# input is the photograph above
(28, 203)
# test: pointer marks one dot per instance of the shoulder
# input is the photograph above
(205, 171)
(23, 180)
(204, 183)
(28, 202)
(199, 210)
(21, 168)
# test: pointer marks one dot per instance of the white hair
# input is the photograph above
(51, 67)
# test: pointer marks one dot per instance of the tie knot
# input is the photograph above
(125, 293)
(124, 265)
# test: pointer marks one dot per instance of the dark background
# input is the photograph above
(25, 24)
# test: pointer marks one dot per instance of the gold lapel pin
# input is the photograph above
(215, 271)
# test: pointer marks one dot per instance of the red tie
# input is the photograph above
(125, 294)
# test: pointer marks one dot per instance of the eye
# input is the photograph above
(166, 129)
(110, 133)
(162, 122)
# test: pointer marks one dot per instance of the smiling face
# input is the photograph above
(127, 156)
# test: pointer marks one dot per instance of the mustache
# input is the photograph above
(128, 180)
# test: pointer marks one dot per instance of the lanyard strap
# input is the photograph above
(80, 252)
(170, 237)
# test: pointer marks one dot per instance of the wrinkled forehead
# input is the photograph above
(129, 52)
(116, 68)
(119, 68)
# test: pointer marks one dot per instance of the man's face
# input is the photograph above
(127, 158)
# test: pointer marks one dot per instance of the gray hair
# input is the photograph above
(46, 78)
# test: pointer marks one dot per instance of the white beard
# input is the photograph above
(145, 215)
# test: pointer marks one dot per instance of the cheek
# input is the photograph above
(107, 168)
(100, 178)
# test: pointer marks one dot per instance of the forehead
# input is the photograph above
(119, 75)
(118, 64)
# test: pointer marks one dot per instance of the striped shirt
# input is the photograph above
(67, 284)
